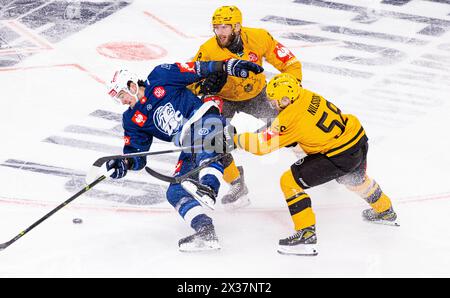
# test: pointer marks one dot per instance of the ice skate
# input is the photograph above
(204, 194)
(388, 217)
(237, 195)
(205, 239)
(302, 243)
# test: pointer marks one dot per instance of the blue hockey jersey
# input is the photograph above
(167, 105)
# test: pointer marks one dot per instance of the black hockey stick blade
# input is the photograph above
(162, 177)
(5, 245)
(179, 179)
(95, 168)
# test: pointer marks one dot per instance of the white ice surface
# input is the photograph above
(406, 123)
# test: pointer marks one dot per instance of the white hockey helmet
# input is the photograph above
(120, 82)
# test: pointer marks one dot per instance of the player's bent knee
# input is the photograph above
(289, 185)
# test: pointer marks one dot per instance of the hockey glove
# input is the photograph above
(213, 83)
(120, 167)
(241, 68)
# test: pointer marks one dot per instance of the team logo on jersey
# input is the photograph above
(283, 54)
(252, 57)
(143, 100)
(167, 120)
(268, 134)
(159, 92)
(186, 67)
(203, 131)
(126, 140)
(248, 88)
(178, 167)
(139, 118)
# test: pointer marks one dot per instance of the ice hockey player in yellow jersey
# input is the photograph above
(336, 146)
(232, 40)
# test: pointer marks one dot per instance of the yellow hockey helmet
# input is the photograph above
(229, 15)
(281, 85)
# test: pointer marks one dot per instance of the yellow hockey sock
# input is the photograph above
(299, 202)
(231, 173)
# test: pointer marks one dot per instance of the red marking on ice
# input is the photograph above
(76, 66)
(133, 51)
(153, 210)
(139, 209)
(168, 26)
(25, 31)
(40, 43)
(35, 203)
(19, 51)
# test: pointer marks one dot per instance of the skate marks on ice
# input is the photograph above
(117, 191)
(399, 73)
(403, 68)
(127, 191)
(27, 27)
(115, 131)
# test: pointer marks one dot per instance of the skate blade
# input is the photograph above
(242, 202)
(191, 188)
(210, 246)
(298, 250)
(384, 222)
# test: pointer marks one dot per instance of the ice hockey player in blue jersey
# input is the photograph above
(162, 107)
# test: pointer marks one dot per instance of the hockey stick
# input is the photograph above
(85, 189)
(179, 179)
(93, 172)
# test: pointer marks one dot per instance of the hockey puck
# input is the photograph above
(77, 220)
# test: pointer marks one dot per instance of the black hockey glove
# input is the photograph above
(233, 67)
(241, 68)
(213, 83)
(120, 167)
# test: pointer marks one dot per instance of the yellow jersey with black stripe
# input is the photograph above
(314, 123)
(258, 44)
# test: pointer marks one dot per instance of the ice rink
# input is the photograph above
(388, 62)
